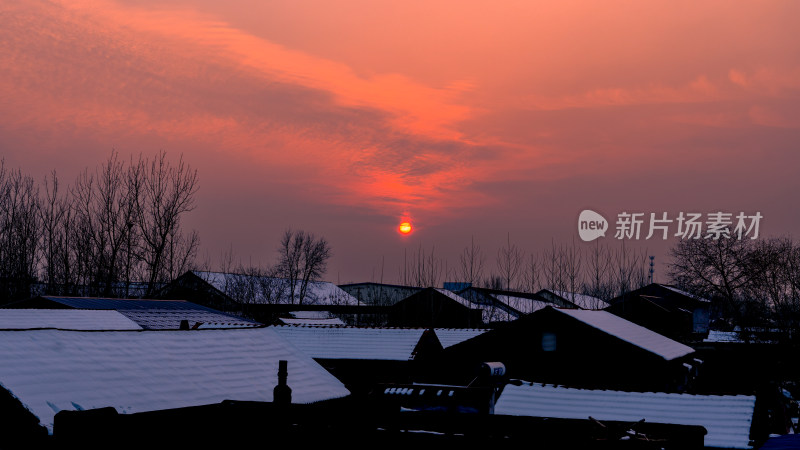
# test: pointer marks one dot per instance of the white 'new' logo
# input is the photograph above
(591, 225)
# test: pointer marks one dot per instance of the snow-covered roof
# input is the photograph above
(317, 292)
(723, 336)
(727, 419)
(630, 332)
(682, 292)
(137, 371)
(311, 318)
(489, 312)
(396, 344)
(582, 301)
(452, 336)
(171, 320)
(521, 304)
(64, 319)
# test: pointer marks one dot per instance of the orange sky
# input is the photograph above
(474, 118)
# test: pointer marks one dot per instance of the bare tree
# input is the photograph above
(167, 194)
(472, 261)
(107, 209)
(573, 275)
(303, 258)
(553, 268)
(598, 280)
(720, 268)
(20, 232)
(509, 263)
(532, 282)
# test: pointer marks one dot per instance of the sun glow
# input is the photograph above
(405, 228)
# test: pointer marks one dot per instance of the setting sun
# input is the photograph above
(405, 228)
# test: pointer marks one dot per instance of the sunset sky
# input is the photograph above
(491, 120)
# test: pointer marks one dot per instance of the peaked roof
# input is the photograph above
(727, 419)
(629, 332)
(317, 292)
(580, 300)
(64, 319)
(136, 371)
(395, 344)
(492, 308)
(153, 314)
(452, 336)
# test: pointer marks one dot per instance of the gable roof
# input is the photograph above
(629, 332)
(64, 319)
(153, 314)
(395, 344)
(137, 371)
(727, 419)
(122, 303)
(452, 336)
(522, 304)
(492, 308)
(582, 301)
(317, 292)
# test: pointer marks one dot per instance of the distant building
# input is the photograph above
(379, 294)
(516, 304)
(666, 310)
(580, 348)
(434, 307)
(265, 299)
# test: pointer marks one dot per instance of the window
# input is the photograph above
(549, 342)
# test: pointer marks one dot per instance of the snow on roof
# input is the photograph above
(727, 419)
(334, 321)
(137, 371)
(452, 336)
(317, 292)
(396, 344)
(64, 319)
(126, 304)
(154, 319)
(581, 300)
(521, 304)
(311, 318)
(630, 332)
(489, 313)
(679, 291)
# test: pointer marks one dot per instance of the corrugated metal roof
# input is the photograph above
(153, 319)
(396, 344)
(136, 371)
(327, 322)
(452, 336)
(126, 304)
(727, 419)
(64, 319)
(630, 332)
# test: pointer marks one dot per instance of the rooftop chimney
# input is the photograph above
(282, 394)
